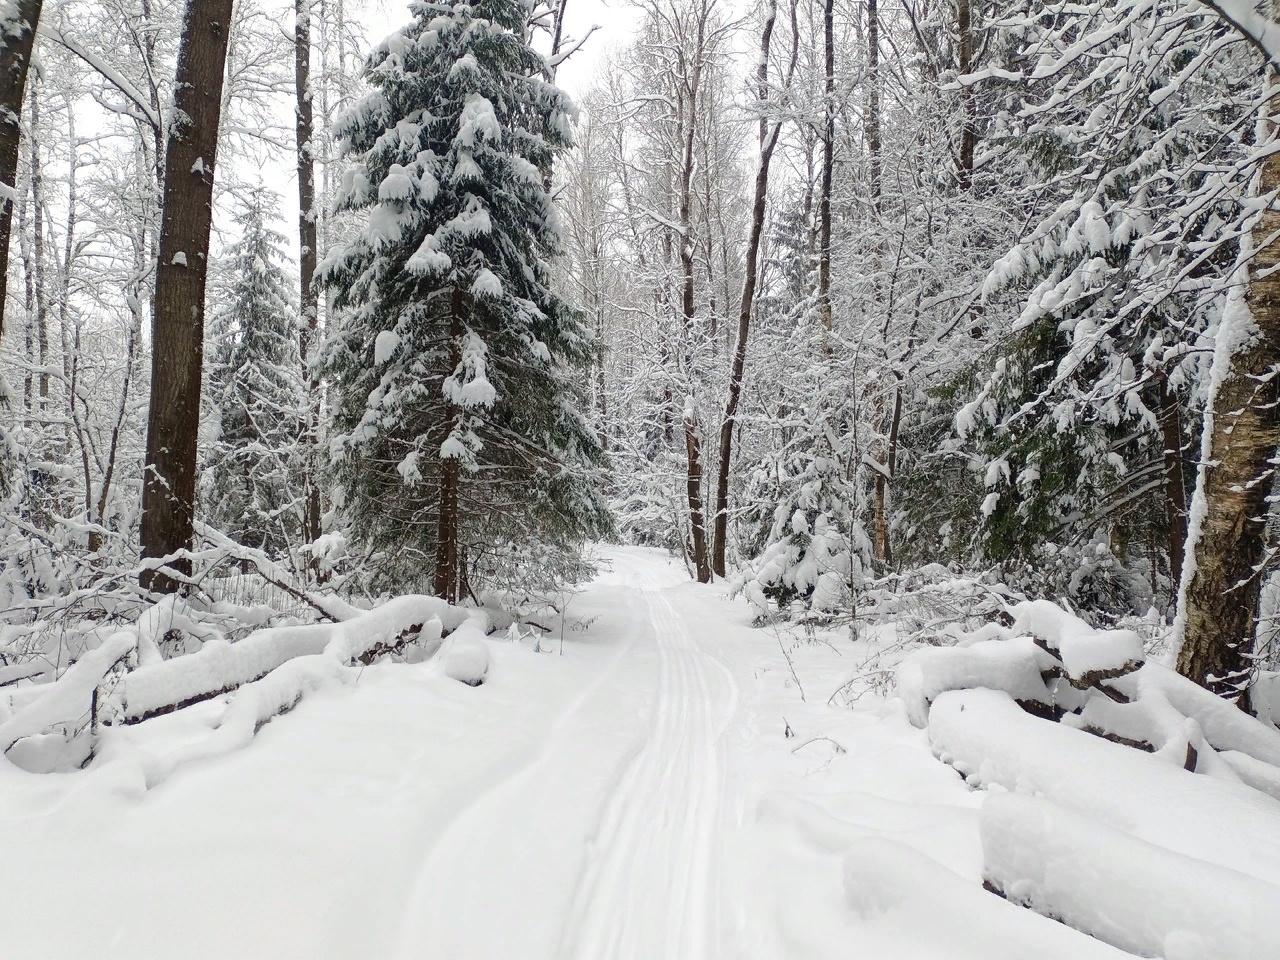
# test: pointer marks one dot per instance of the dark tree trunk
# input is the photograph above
(964, 65)
(688, 310)
(880, 544)
(693, 488)
(307, 245)
(15, 58)
(177, 321)
(447, 574)
(828, 163)
(768, 137)
(1222, 597)
(1175, 493)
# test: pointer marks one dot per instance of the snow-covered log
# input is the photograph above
(989, 739)
(220, 667)
(891, 887)
(1136, 895)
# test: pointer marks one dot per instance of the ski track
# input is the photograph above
(646, 885)
(650, 887)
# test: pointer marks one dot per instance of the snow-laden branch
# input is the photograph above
(1258, 29)
(109, 73)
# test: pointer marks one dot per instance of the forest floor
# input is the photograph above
(666, 783)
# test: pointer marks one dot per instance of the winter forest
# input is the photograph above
(651, 479)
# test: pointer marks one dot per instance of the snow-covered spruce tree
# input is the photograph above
(460, 430)
(256, 392)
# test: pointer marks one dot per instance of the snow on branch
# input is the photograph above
(1258, 29)
(109, 73)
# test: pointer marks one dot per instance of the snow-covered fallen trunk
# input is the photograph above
(221, 667)
(989, 739)
(892, 886)
(70, 697)
(255, 703)
(1135, 895)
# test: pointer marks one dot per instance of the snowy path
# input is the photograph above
(603, 845)
(670, 788)
(650, 887)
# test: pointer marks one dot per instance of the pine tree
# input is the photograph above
(255, 384)
(459, 417)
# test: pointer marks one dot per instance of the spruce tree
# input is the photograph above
(255, 384)
(459, 418)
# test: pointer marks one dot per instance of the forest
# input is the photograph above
(770, 475)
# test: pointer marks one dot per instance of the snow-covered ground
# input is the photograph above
(669, 787)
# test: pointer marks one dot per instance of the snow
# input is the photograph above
(987, 737)
(904, 896)
(486, 285)
(653, 777)
(1082, 649)
(384, 346)
(1136, 895)
(67, 700)
(219, 666)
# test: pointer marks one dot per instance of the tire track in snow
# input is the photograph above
(650, 889)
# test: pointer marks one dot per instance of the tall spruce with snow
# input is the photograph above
(460, 435)
(255, 385)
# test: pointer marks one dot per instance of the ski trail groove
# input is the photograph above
(649, 888)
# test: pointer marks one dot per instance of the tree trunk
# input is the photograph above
(828, 163)
(445, 583)
(15, 57)
(38, 261)
(693, 488)
(873, 98)
(688, 310)
(304, 131)
(1221, 596)
(964, 65)
(768, 140)
(1174, 489)
(880, 545)
(177, 317)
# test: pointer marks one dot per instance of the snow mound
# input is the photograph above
(994, 743)
(1130, 893)
(914, 898)
(466, 654)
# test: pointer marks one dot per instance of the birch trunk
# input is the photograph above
(1222, 589)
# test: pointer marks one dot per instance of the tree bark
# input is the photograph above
(307, 246)
(1221, 597)
(768, 139)
(177, 321)
(446, 580)
(688, 309)
(1174, 488)
(881, 548)
(693, 489)
(15, 58)
(828, 164)
(964, 65)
